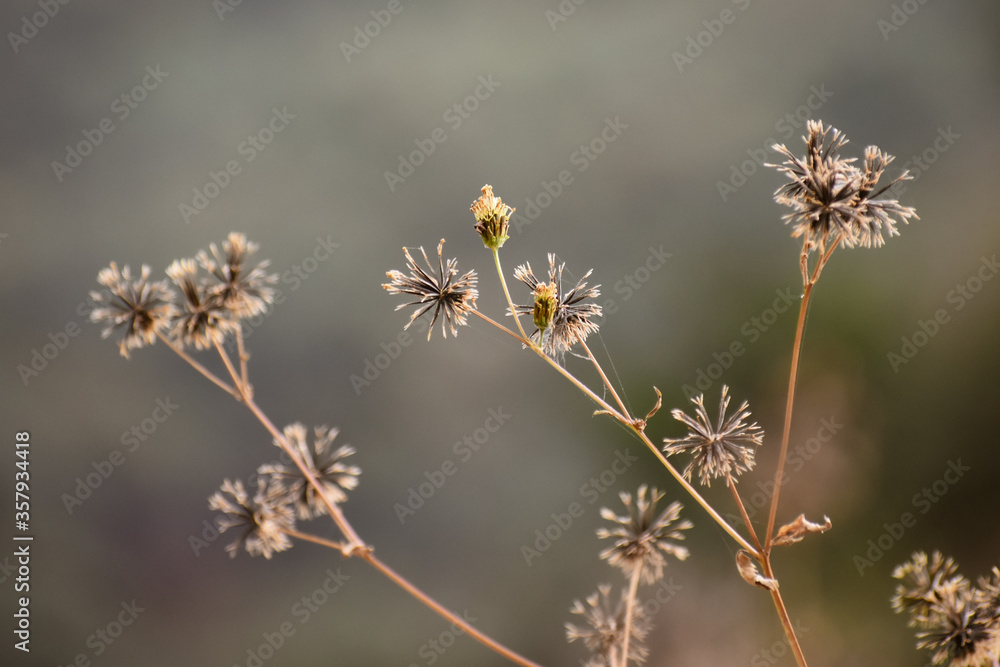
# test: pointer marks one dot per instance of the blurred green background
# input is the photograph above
(696, 91)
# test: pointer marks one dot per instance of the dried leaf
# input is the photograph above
(748, 570)
(796, 530)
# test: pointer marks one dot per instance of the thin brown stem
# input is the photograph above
(457, 620)
(244, 358)
(786, 622)
(743, 512)
(506, 293)
(779, 473)
(629, 613)
(316, 539)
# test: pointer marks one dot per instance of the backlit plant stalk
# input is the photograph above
(835, 204)
(208, 315)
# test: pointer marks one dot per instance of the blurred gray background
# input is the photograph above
(697, 90)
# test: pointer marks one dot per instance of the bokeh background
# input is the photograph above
(919, 80)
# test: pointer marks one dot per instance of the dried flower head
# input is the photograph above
(264, 518)
(605, 636)
(137, 306)
(204, 320)
(447, 292)
(325, 464)
(990, 602)
(958, 632)
(643, 540)
(920, 579)
(492, 218)
(245, 292)
(560, 317)
(834, 200)
(723, 450)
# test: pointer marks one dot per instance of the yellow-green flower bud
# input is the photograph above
(546, 303)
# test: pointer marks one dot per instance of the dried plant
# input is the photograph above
(834, 204)
(958, 622)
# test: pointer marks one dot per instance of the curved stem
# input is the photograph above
(629, 611)
(779, 473)
(457, 620)
(743, 512)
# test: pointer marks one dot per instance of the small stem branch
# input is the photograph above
(743, 512)
(316, 539)
(629, 610)
(604, 378)
(179, 351)
(400, 581)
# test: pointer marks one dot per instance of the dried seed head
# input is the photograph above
(643, 540)
(492, 218)
(138, 307)
(920, 579)
(446, 293)
(263, 518)
(958, 633)
(834, 200)
(567, 320)
(325, 464)
(720, 450)
(203, 321)
(605, 636)
(245, 292)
